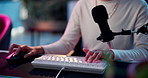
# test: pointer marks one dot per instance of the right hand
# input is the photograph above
(31, 51)
(96, 55)
(92, 57)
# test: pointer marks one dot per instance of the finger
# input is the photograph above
(97, 51)
(88, 54)
(98, 56)
(17, 51)
(85, 50)
(32, 53)
(12, 47)
(91, 58)
(21, 48)
(97, 61)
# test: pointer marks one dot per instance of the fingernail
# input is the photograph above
(85, 60)
(96, 61)
(89, 60)
(14, 55)
(84, 49)
(25, 56)
(93, 50)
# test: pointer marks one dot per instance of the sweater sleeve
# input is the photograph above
(136, 54)
(140, 50)
(70, 36)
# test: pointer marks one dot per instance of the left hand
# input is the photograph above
(95, 55)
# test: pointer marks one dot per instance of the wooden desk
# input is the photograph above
(27, 70)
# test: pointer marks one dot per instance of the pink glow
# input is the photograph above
(7, 22)
(8, 57)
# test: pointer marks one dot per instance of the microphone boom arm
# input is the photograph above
(143, 30)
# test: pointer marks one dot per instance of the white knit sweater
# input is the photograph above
(130, 15)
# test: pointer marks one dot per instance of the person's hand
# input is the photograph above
(95, 55)
(31, 50)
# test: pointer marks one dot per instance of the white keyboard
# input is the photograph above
(70, 63)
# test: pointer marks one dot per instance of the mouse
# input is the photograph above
(19, 58)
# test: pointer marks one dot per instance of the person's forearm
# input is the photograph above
(130, 55)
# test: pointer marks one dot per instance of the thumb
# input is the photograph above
(85, 50)
(31, 53)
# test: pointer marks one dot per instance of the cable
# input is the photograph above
(60, 72)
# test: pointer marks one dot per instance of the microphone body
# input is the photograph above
(100, 16)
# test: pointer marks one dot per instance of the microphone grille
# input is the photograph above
(99, 13)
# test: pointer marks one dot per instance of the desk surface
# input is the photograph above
(27, 70)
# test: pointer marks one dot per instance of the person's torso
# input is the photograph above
(123, 18)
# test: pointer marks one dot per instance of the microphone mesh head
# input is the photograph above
(99, 13)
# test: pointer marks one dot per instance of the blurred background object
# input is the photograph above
(45, 15)
(5, 31)
(37, 22)
(12, 9)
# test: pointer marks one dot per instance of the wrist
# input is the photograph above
(39, 49)
(108, 55)
(112, 53)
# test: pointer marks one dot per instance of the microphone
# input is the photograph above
(100, 16)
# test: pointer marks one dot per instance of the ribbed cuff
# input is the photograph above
(116, 54)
